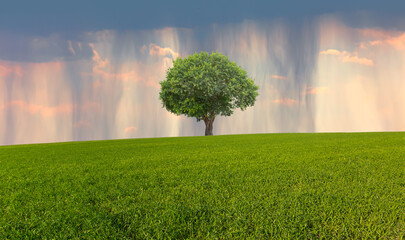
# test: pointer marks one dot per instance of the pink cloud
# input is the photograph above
(7, 69)
(155, 50)
(397, 42)
(130, 129)
(70, 47)
(378, 37)
(348, 57)
(331, 52)
(45, 111)
(315, 90)
(279, 77)
(375, 33)
(4, 71)
(285, 101)
(143, 49)
(165, 31)
(97, 59)
(356, 59)
(54, 66)
(376, 42)
(104, 69)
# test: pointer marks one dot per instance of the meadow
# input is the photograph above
(259, 186)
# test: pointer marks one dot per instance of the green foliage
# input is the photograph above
(266, 186)
(204, 85)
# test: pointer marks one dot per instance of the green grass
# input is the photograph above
(287, 186)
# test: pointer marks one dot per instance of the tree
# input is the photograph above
(206, 85)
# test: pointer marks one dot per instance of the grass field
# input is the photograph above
(287, 186)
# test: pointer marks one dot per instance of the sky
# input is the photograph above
(90, 70)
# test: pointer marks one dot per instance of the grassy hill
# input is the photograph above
(298, 186)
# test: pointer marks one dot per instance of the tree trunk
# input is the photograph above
(209, 126)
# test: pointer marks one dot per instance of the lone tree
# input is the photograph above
(206, 85)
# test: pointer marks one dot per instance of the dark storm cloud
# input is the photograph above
(49, 16)
(25, 26)
(19, 47)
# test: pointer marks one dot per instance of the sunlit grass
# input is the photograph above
(297, 186)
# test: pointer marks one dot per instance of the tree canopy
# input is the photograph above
(206, 85)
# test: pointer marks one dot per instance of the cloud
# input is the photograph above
(286, 101)
(45, 111)
(378, 37)
(397, 42)
(139, 71)
(155, 50)
(143, 49)
(71, 47)
(376, 42)
(130, 129)
(279, 77)
(331, 52)
(102, 67)
(315, 90)
(97, 59)
(7, 69)
(356, 59)
(375, 33)
(348, 57)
